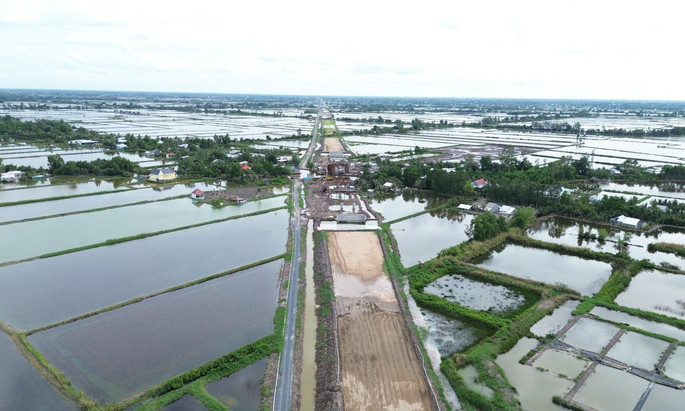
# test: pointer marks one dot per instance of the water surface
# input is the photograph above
(638, 350)
(590, 335)
(656, 291)
(637, 322)
(611, 389)
(240, 391)
(118, 353)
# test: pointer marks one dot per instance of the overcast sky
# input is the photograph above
(528, 49)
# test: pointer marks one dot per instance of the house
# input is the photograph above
(491, 207)
(629, 222)
(506, 210)
(162, 174)
(349, 218)
(245, 166)
(480, 183)
(197, 194)
(82, 142)
(465, 207)
(120, 146)
(153, 153)
(169, 155)
(388, 184)
(236, 199)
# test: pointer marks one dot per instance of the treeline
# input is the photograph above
(57, 131)
(116, 166)
(215, 164)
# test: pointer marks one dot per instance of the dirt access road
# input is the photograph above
(380, 369)
(332, 144)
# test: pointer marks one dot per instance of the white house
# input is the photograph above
(506, 210)
(629, 222)
(465, 207)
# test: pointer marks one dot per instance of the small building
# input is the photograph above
(491, 207)
(120, 146)
(629, 222)
(388, 184)
(350, 218)
(169, 155)
(197, 194)
(465, 207)
(245, 166)
(11, 176)
(161, 174)
(506, 210)
(480, 183)
(236, 199)
(153, 153)
(82, 142)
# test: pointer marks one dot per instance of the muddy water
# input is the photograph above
(21, 386)
(118, 353)
(46, 291)
(656, 291)
(585, 276)
(553, 323)
(675, 365)
(535, 388)
(474, 294)
(638, 350)
(561, 363)
(611, 389)
(637, 322)
(308, 384)
(590, 335)
(240, 391)
(34, 238)
(422, 237)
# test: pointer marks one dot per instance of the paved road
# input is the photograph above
(284, 378)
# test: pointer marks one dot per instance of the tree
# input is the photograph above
(522, 217)
(55, 162)
(485, 226)
(485, 163)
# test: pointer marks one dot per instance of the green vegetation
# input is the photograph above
(677, 249)
(486, 226)
(116, 166)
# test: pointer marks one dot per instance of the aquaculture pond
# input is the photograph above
(45, 291)
(22, 386)
(553, 323)
(475, 294)
(664, 398)
(590, 335)
(534, 388)
(76, 204)
(584, 276)
(564, 231)
(60, 190)
(611, 389)
(656, 291)
(672, 190)
(240, 391)
(451, 335)
(470, 376)
(186, 403)
(638, 350)
(118, 353)
(421, 238)
(393, 206)
(34, 238)
(561, 363)
(637, 322)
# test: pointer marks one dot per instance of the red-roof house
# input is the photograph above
(480, 183)
(197, 194)
(245, 167)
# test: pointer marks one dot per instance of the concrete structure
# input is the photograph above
(162, 174)
(491, 207)
(350, 218)
(337, 168)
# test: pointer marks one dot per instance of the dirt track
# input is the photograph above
(331, 144)
(380, 369)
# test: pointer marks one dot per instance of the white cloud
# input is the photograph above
(555, 49)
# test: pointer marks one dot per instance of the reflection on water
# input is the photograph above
(638, 350)
(393, 206)
(610, 389)
(656, 291)
(240, 391)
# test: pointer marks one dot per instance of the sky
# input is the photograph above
(500, 49)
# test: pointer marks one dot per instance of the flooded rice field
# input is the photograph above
(590, 335)
(564, 231)
(478, 295)
(59, 190)
(561, 363)
(421, 238)
(638, 350)
(641, 323)
(675, 365)
(535, 388)
(71, 205)
(38, 160)
(22, 387)
(668, 190)
(45, 291)
(169, 123)
(451, 335)
(392, 207)
(611, 389)
(118, 353)
(656, 291)
(554, 322)
(34, 238)
(663, 398)
(186, 403)
(584, 276)
(240, 391)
